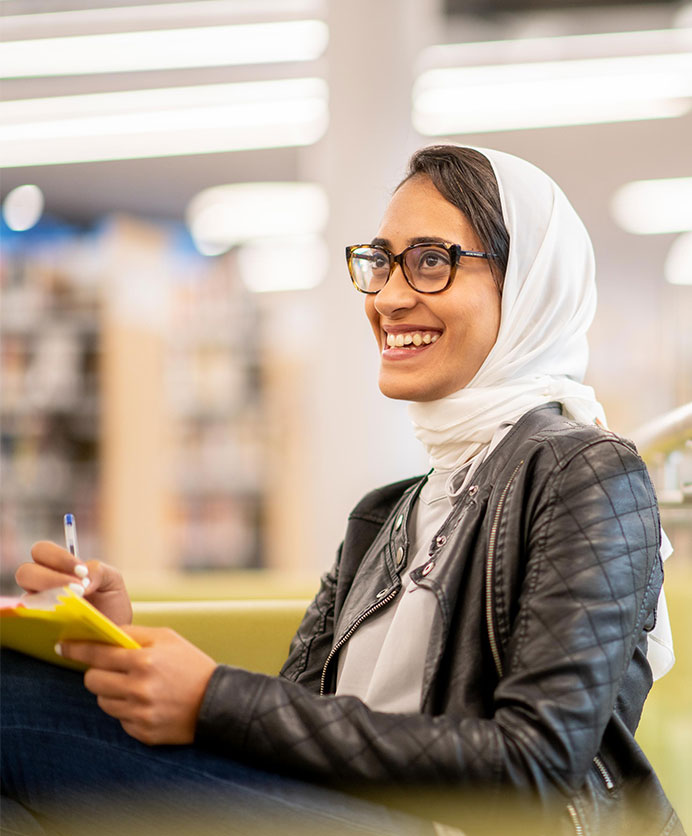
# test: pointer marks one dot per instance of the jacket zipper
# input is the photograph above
(347, 635)
(576, 821)
(489, 569)
(607, 780)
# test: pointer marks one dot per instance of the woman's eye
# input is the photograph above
(432, 259)
(378, 262)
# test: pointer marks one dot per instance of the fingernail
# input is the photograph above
(58, 649)
(81, 570)
(77, 588)
(85, 583)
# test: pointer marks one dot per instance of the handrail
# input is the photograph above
(664, 434)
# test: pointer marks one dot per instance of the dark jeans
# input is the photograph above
(68, 768)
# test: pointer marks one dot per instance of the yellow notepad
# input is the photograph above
(33, 624)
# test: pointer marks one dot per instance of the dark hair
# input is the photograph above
(466, 179)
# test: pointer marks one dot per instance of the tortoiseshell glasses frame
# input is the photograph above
(371, 266)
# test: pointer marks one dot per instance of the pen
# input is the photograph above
(71, 535)
(71, 544)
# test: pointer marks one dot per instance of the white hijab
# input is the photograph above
(541, 351)
(548, 302)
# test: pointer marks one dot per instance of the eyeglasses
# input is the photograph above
(428, 268)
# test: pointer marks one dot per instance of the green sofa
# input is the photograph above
(255, 633)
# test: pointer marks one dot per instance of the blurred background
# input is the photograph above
(185, 365)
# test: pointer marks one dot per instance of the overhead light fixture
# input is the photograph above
(223, 216)
(511, 94)
(182, 48)
(22, 207)
(163, 122)
(654, 207)
(678, 265)
(296, 262)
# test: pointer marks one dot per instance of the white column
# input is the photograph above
(358, 439)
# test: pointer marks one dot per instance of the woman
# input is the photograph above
(484, 628)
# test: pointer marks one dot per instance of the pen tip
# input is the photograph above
(69, 519)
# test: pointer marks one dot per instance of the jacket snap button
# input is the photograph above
(399, 520)
(381, 593)
(473, 490)
(427, 569)
(399, 555)
(441, 540)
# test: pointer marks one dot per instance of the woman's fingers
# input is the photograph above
(33, 577)
(54, 557)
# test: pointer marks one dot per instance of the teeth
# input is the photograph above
(413, 338)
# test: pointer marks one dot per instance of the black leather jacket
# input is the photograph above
(547, 574)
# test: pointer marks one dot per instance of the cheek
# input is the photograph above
(478, 325)
(372, 315)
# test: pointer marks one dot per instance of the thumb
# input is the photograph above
(101, 577)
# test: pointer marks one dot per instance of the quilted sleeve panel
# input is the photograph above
(592, 583)
(592, 574)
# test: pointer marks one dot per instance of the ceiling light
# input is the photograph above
(541, 82)
(532, 95)
(281, 264)
(678, 266)
(201, 46)
(163, 122)
(22, 207)
(223, 216)
(651, 207)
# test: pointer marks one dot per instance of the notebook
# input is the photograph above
(34, 623)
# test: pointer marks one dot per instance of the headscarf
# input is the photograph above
(548, 302)
(541, 351)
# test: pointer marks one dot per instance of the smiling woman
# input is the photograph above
(462, 322)
(484, 628)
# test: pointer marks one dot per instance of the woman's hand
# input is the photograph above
(156, 691)
(54, 566)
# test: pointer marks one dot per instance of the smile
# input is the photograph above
(412, 339)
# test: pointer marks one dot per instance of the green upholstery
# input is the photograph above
(255, 634)
(251, 634)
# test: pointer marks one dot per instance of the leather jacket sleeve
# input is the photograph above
(591, 580)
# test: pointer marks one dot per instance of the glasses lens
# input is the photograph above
(369, 267)
(428, 267)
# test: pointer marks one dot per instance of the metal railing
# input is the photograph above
(665, 444)
(665, 434)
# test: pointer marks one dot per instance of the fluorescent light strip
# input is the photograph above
(203, 46)
(532, 95)
(558, 48)
(654, 207)
(161, 123)
(17, 27)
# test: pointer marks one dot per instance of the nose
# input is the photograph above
(397, 294)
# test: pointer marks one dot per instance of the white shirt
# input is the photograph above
(383, 661)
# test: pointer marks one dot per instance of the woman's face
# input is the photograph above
(462, 322)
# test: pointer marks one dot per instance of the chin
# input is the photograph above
(401, 391)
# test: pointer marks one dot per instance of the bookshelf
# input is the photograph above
(130, 394)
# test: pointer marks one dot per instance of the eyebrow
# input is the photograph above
(420, 239)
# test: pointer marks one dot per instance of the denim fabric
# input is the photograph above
(68, 768)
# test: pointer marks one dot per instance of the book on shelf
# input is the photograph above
(34, 623)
